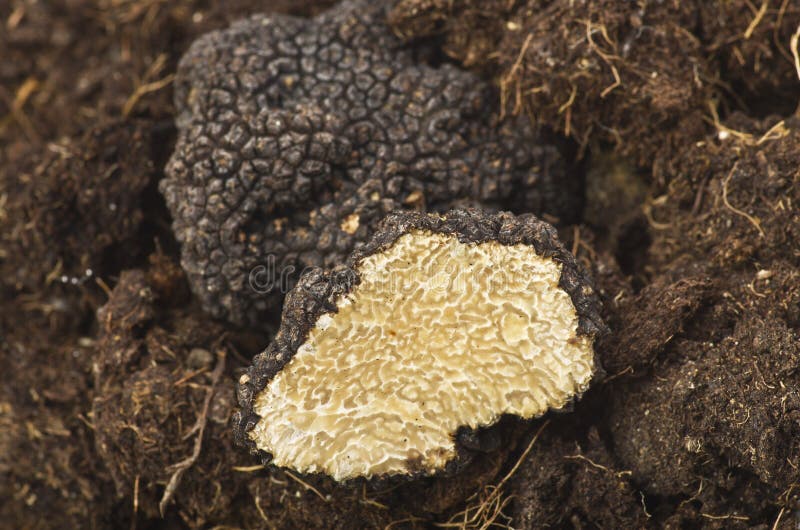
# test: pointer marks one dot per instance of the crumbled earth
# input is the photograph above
(640, 76)
(721, 420)
(40, 244)
(568, 473)
(690, 232)
(297, 136)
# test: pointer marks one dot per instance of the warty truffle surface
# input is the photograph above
(296, 136)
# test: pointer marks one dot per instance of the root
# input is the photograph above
(595, 465)
(725, 517)
(135, 502)
(307, 486)
(199, 427)
(795, 54)
(756, 20)
(145, 88)
(16, 104)
(486, 507)
(755, 222)
(513, 77)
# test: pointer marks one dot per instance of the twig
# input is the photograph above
(199, 427)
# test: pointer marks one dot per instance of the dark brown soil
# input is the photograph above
(118, 390)
(640, 76)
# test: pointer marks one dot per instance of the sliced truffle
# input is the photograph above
(297, 136)
(437, 324)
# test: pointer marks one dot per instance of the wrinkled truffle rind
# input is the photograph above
(318, 292)
(289, 127)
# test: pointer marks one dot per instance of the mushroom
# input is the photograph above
(296, 137)
(435, 325)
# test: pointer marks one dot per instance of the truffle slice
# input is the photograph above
(437, 324)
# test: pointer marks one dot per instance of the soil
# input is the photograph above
(683, 120)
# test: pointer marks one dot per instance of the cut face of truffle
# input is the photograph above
(295, 137)
(444, 329)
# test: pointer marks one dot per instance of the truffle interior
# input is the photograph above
(437, 335)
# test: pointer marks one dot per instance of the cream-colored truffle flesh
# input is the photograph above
(438, 334)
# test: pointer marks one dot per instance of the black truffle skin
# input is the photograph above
(317, 291)
(291, 130)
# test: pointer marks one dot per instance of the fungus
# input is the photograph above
(296, 136)
(436, 325)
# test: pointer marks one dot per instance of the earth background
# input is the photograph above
(682, 119)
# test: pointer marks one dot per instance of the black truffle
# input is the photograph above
(437, 324)
(297, 136)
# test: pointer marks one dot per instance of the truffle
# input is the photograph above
(436, 325)
(296, 136)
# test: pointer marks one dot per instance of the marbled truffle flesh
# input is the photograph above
(296, 136)
(437, 324)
